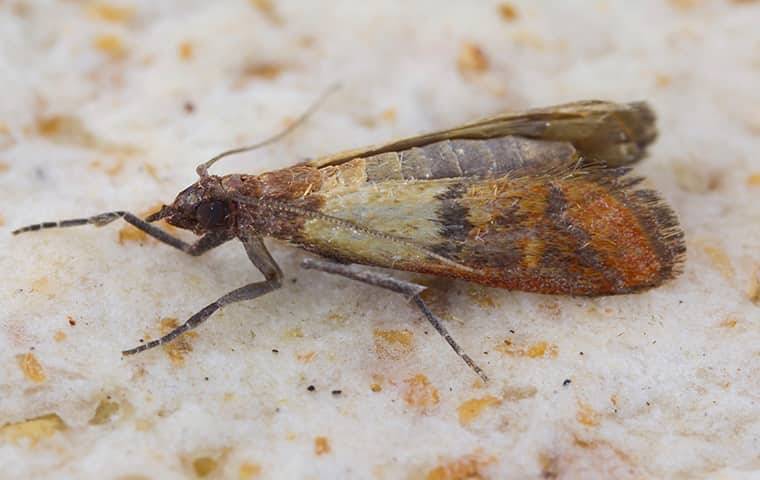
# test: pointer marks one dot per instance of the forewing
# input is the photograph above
(584, 232)
(607, 133)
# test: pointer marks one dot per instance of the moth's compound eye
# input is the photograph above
(212, 214)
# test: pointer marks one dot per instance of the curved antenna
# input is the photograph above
(202, 169)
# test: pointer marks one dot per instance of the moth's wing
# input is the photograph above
(587, 232)
(607, 133)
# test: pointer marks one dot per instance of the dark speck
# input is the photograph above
(337, 392)
(274, 350)
(566, 382)
(205, 378)
(311, 388)
(189, 107)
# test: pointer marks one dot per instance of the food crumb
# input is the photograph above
(111, 13)
(34, 429)
(471, 409)
(31, 367)
(111, 45)
(249, 471)
(266, 7)
(508, 12)
(105, 410)
(468, 467)
(753, 290)
(321, 445)
(586, 415)
(203, 466)
(472, 59)
(393, 344)
(420, 393)
(178, 348)
(185, 51)
(59, 336)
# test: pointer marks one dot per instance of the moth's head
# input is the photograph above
(202, 207)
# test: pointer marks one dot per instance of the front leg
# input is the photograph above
(262, 260)
(203, 245)
(411, 290)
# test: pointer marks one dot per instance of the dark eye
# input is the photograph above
(212, 214)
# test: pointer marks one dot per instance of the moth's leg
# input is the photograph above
(412, 290)
(259, 255)
(204, 244)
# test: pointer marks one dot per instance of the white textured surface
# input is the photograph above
(668, 383)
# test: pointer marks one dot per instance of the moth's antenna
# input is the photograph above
(202, 169)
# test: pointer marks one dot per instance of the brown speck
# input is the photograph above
(420, 393)
(266, 7)
(185, 51)
(321, 445)
(376, 387)
(472, 59)
(249, 471)
(267, 71)
(31, 367)
(203, 466)
(189, 107)
(111, 13)
(59, 336)
(729, 322)
(393, 344)
(4, 167)
(473, 408)
(110, 45)
(507, 12)
(753, 180)
(71, 320)
(34, 429)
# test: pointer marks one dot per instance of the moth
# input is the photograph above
(538, 201)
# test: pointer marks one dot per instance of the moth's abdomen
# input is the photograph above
(469, 158)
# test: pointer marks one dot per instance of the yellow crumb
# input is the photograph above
(111, 13)
(321, 445)
(111, 45)
(472, 59)
(31, 367)
(420, 393)
(473, 408)
(34, 429)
